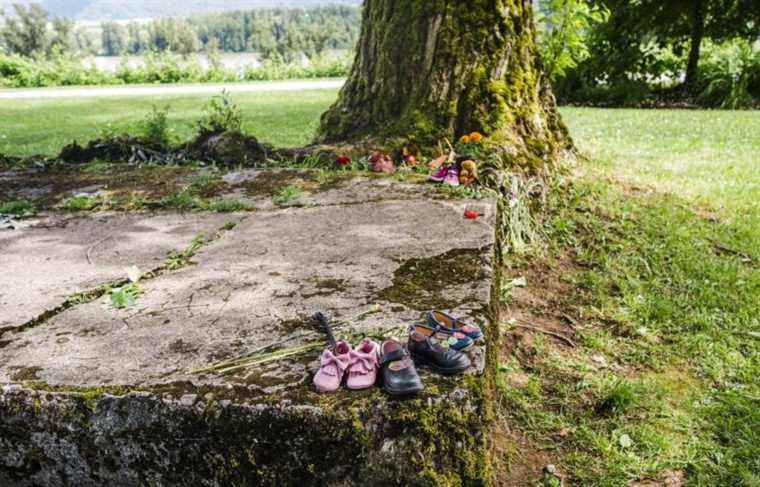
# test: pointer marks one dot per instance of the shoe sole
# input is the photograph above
(403, 393)
(424, 362)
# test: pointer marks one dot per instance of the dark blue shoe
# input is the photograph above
(453, 340)
(449, 324)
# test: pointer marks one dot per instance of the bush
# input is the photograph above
(158, 68)
(156, 126)
(221, 115)
(623, 93)
(60, 70)
(729, 76)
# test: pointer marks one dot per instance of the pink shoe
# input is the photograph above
(362, 371)
(452, 177)
(440, 175)
(334, 363)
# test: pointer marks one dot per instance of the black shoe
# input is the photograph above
(397, 371)
(428, 351)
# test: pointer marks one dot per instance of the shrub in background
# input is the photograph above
(156, 126)
(564, 26)
(729, 76)
(158, 68)
(221, 115)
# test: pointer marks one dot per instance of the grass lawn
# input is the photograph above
(651, 265)
(653, 252)
(30, 127)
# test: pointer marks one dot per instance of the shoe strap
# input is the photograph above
(399, 354)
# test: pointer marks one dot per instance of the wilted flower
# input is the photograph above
(382, 163)
(133, 273)
(343, 160)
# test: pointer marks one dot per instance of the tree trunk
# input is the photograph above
(697, 34)
(430, 69)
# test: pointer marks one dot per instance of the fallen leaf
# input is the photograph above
(133, 273)
(625, 441)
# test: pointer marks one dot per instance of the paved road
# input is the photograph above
(91, 92)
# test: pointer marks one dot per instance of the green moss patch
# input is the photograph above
(421, 284)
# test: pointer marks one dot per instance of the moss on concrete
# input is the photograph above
(421, 284)
(139, 435)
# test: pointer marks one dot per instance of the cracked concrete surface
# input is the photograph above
(256, 285)
(342, 248)
(61, 255)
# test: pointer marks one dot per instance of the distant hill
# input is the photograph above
(141, 9)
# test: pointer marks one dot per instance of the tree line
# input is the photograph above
(605, 52)
(274, 33)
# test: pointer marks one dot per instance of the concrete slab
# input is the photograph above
(256, 286)
(60, 255)
(117, 387)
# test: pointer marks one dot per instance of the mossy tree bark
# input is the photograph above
(441, 68)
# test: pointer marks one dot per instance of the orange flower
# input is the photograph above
(476, 137)
(465, 139)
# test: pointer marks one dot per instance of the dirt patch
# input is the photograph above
(548, 305)
(50, 187)
(522, 462)
(228, 149)
(26, 374)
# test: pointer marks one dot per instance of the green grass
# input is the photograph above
(711, 158)
(665, 248)
(662, 223)
(227, 205)
(17, 208)
(673, 316)
(287, 194)
(179, 259)
(30, 127)
(80, 203)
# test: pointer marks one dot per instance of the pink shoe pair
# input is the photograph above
(361, 363)
(446, 175)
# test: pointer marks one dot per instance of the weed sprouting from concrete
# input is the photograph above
(287, 194)
(80, 203)
(226, 205)
(177, 260)
(18, 208)
(124, 296)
